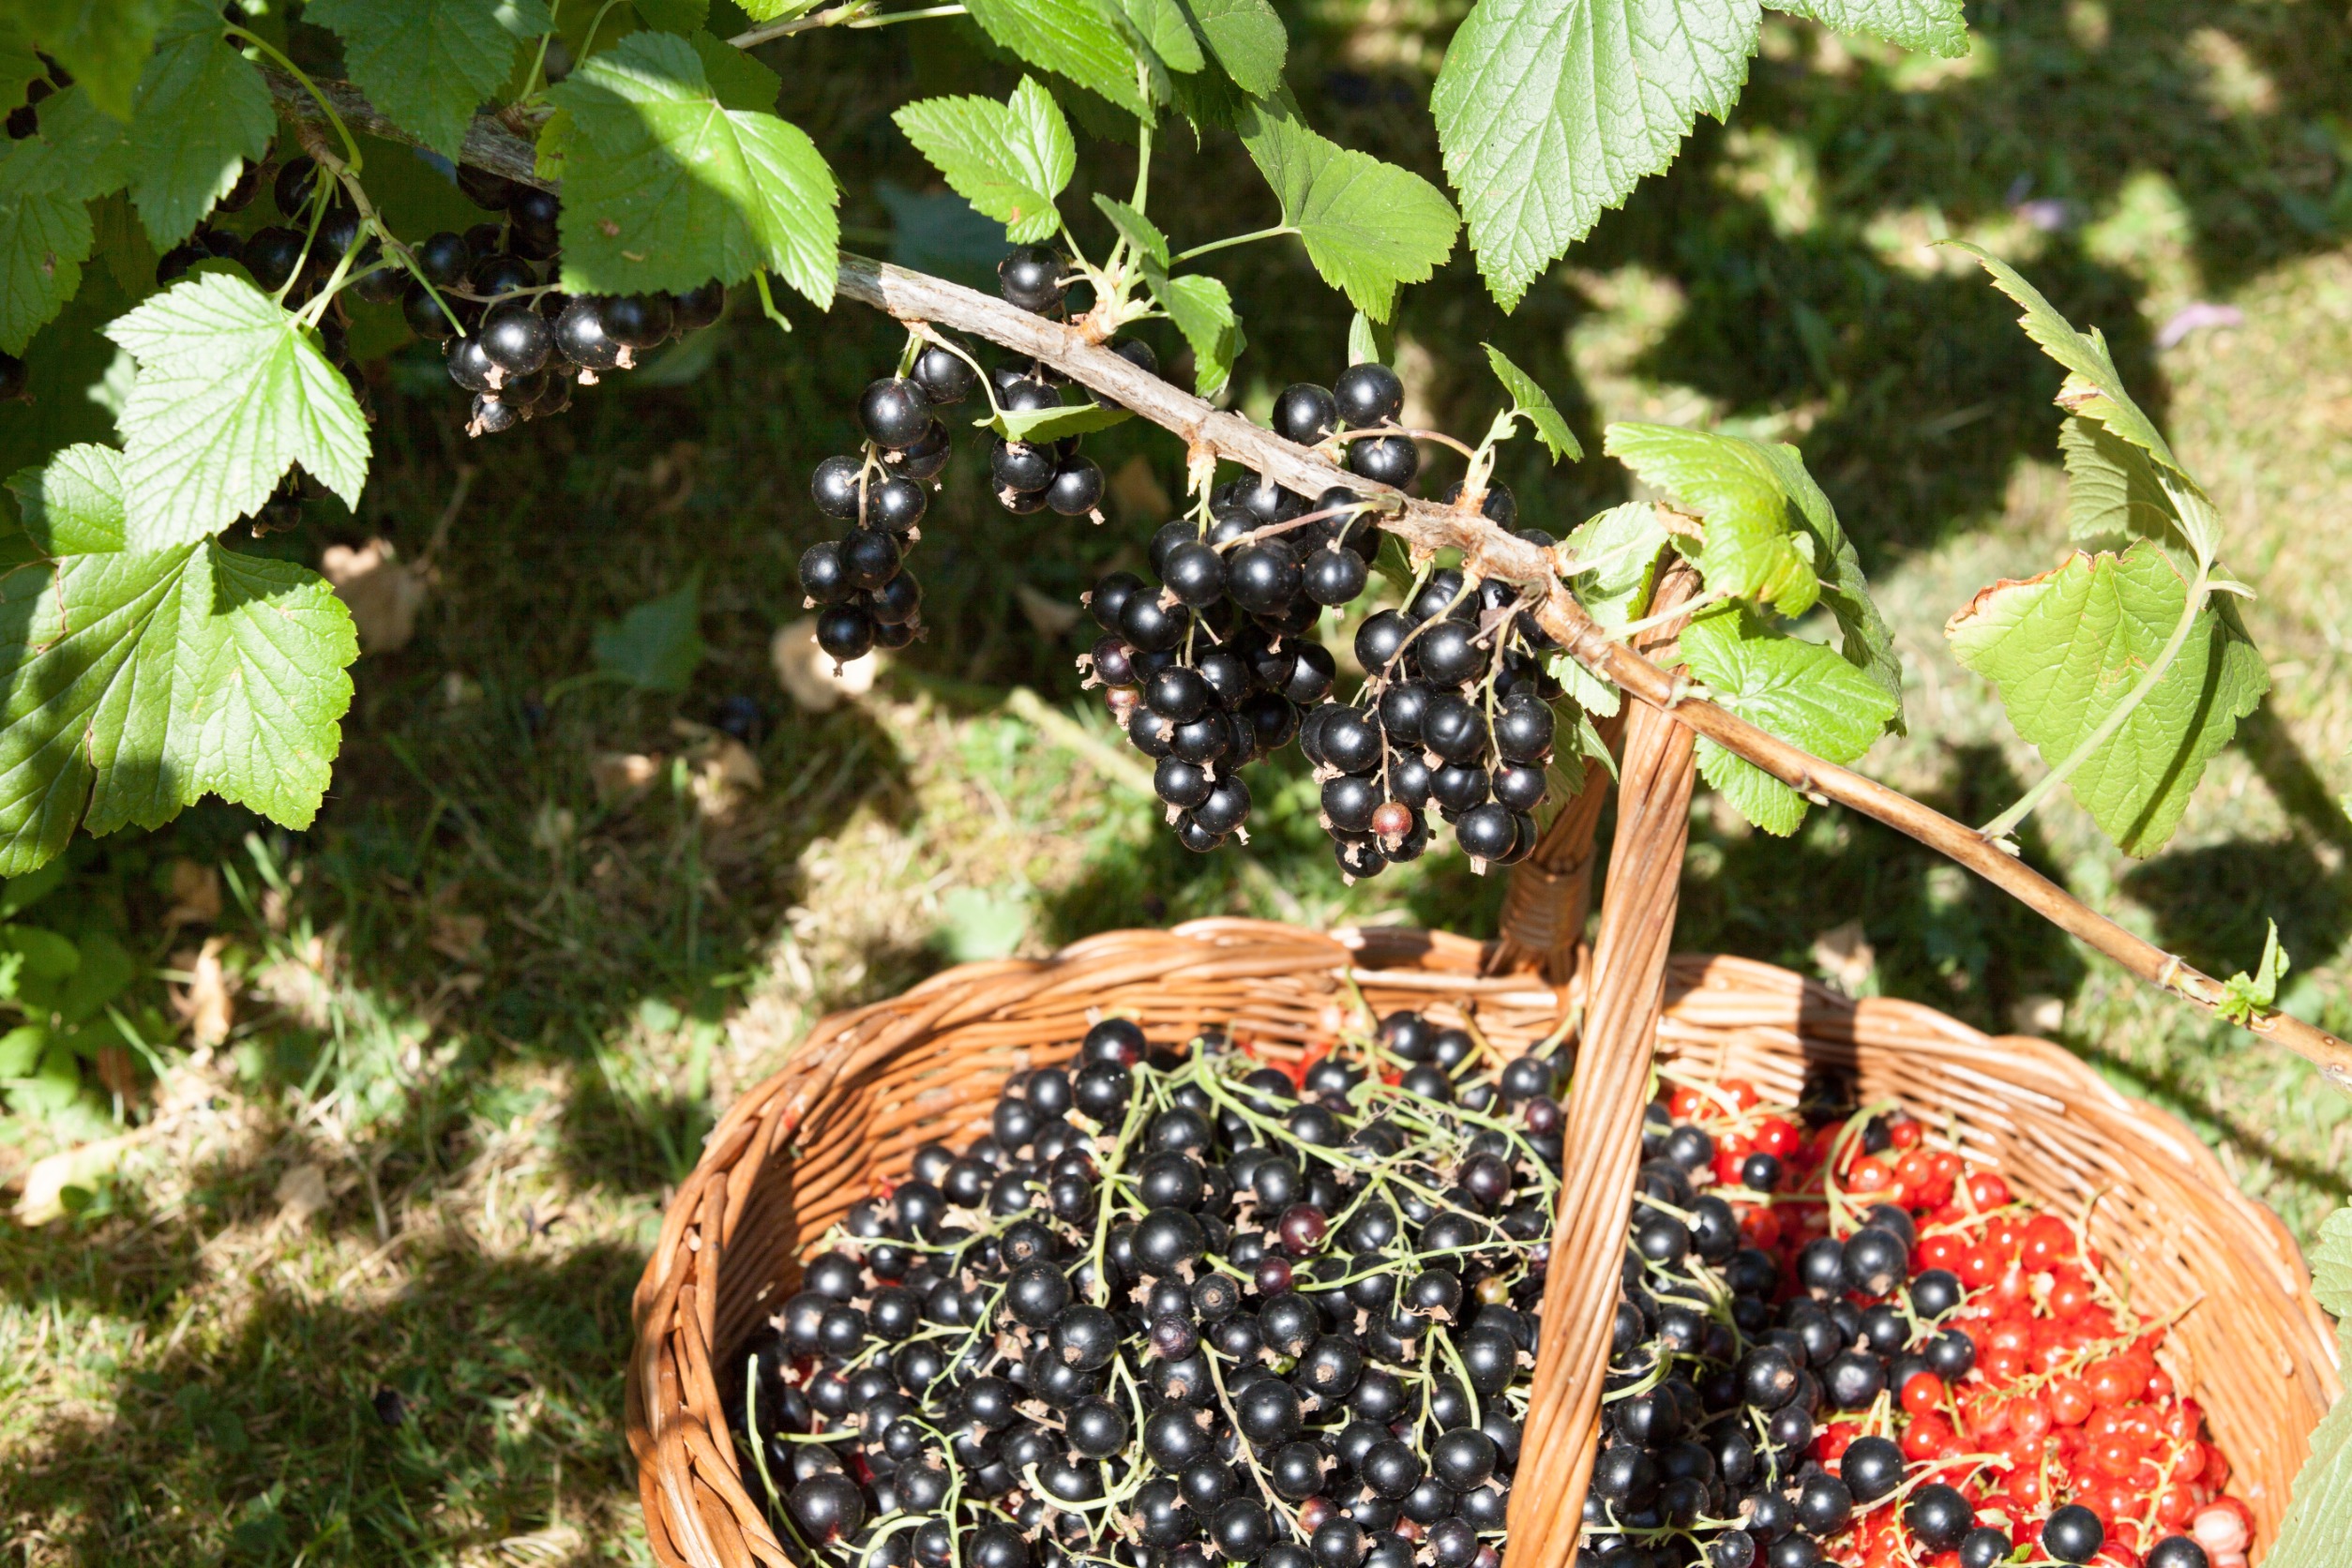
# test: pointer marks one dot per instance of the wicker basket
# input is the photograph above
(867, 1087)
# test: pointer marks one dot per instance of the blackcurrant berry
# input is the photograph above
(2073, 1534)
(1024, 396)
(827, 1506)
(1263, 578)
(488, 191)
(494, 276)
(1455, 729)
(1350, 801)
(1227, 805)
(1521, 787)
(1305, 414)
(515, 338)
(1077, 488)
(1873, 1467)
(1523, 731)
(1109, 597)
(1379, 638)
(845, 632)
(13, 379)
(893, 413)
(1876, 1262)
(1987, 1546)
(582, 337)
(427, 317)
(272, 255)
(1367, 393)
(897, 504)
(1021, 466)
(896, 603)
(1031, 279)
(1386, 459)
(1450, 652)
(1335, 576)
(1939, 1517)
(492, 415)
(1151, 627)
(927, 457)
(822, 576)
(1350, 741)
(297, 179)
(637, 321)
(945, 377)
(698, 308)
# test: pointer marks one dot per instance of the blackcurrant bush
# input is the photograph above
(1031, 279)
(1387, 460)
(1305, 414)
(1367, 393)
(895, 412)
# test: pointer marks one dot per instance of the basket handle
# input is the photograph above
(1624, 994)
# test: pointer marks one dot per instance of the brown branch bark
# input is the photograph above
(1488, 550)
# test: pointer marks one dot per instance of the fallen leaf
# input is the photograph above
(195, 895)
(617, 776)
(301, 1193)
(43, 1198)
(809, 674)
(1845, 957)
(381, 591)
(206, 1004)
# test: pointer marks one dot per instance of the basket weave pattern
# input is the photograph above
(843, 1118)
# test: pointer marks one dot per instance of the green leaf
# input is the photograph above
(1369, 342)
(655, 646)
(429, 64)
(1248, 40)
(140, 682)
(2113, 495)
(1135, 229)
(1008, 159)
(1622, 545)
(1068, 36)
(105, 971)
(2065, 647)
(1537, 404)
(676, 16)
(1167, 31)
(1587, 690)
(2093, 388)
(19, 64)
(737, 80)
(104, 43)
(1368, 226)
(2248, 997)
(46, 182)
(1753, 547)
(231, 392)
(73, 505)
(1803, 692)
(202, 108)
(2311, 1534)
(1862, 633)
(1052, 424)
(1202, 308)
(1549, 111)
(1931, 26)
(1393, 564)
(41, 955)
(665, 187)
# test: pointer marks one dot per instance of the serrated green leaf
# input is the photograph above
(1549, 111)
(202, 109)
(1862, 633)
(2066, 647)
(1530, 400)
(429, 64)
(138, 683)
(1070, 37)
(1368, 226)
(1008, 159)
(19, 64)
(1167, 32)
(72, 506)
(44, 239)
(231, 392)
(776, 10)
(737, 80)
(2311, 1534)
(104, 43)
(1803, 692)
(1393, 565)
(1202, 308)
(1052, 424)
(1757, 796)
(1248, 40)
(1369, 342)
(1135, 229)
(1208, 98)
(2113, 495)
(1753, 547)
(78, 152)
(655, 646)
(674, 16)
(2093, 388)
(2248, 997)
(1622, 545)
(1931, 26)
(1587, 743)
(1587, 690)
(665, 187)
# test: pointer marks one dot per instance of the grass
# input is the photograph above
(356, 1286)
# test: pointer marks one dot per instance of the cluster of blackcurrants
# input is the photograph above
(512, 339)
(865, 595)
(1712, 1413)
(1034, 475)
(1175, 1309)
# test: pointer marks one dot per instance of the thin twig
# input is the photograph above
(1487, 549)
